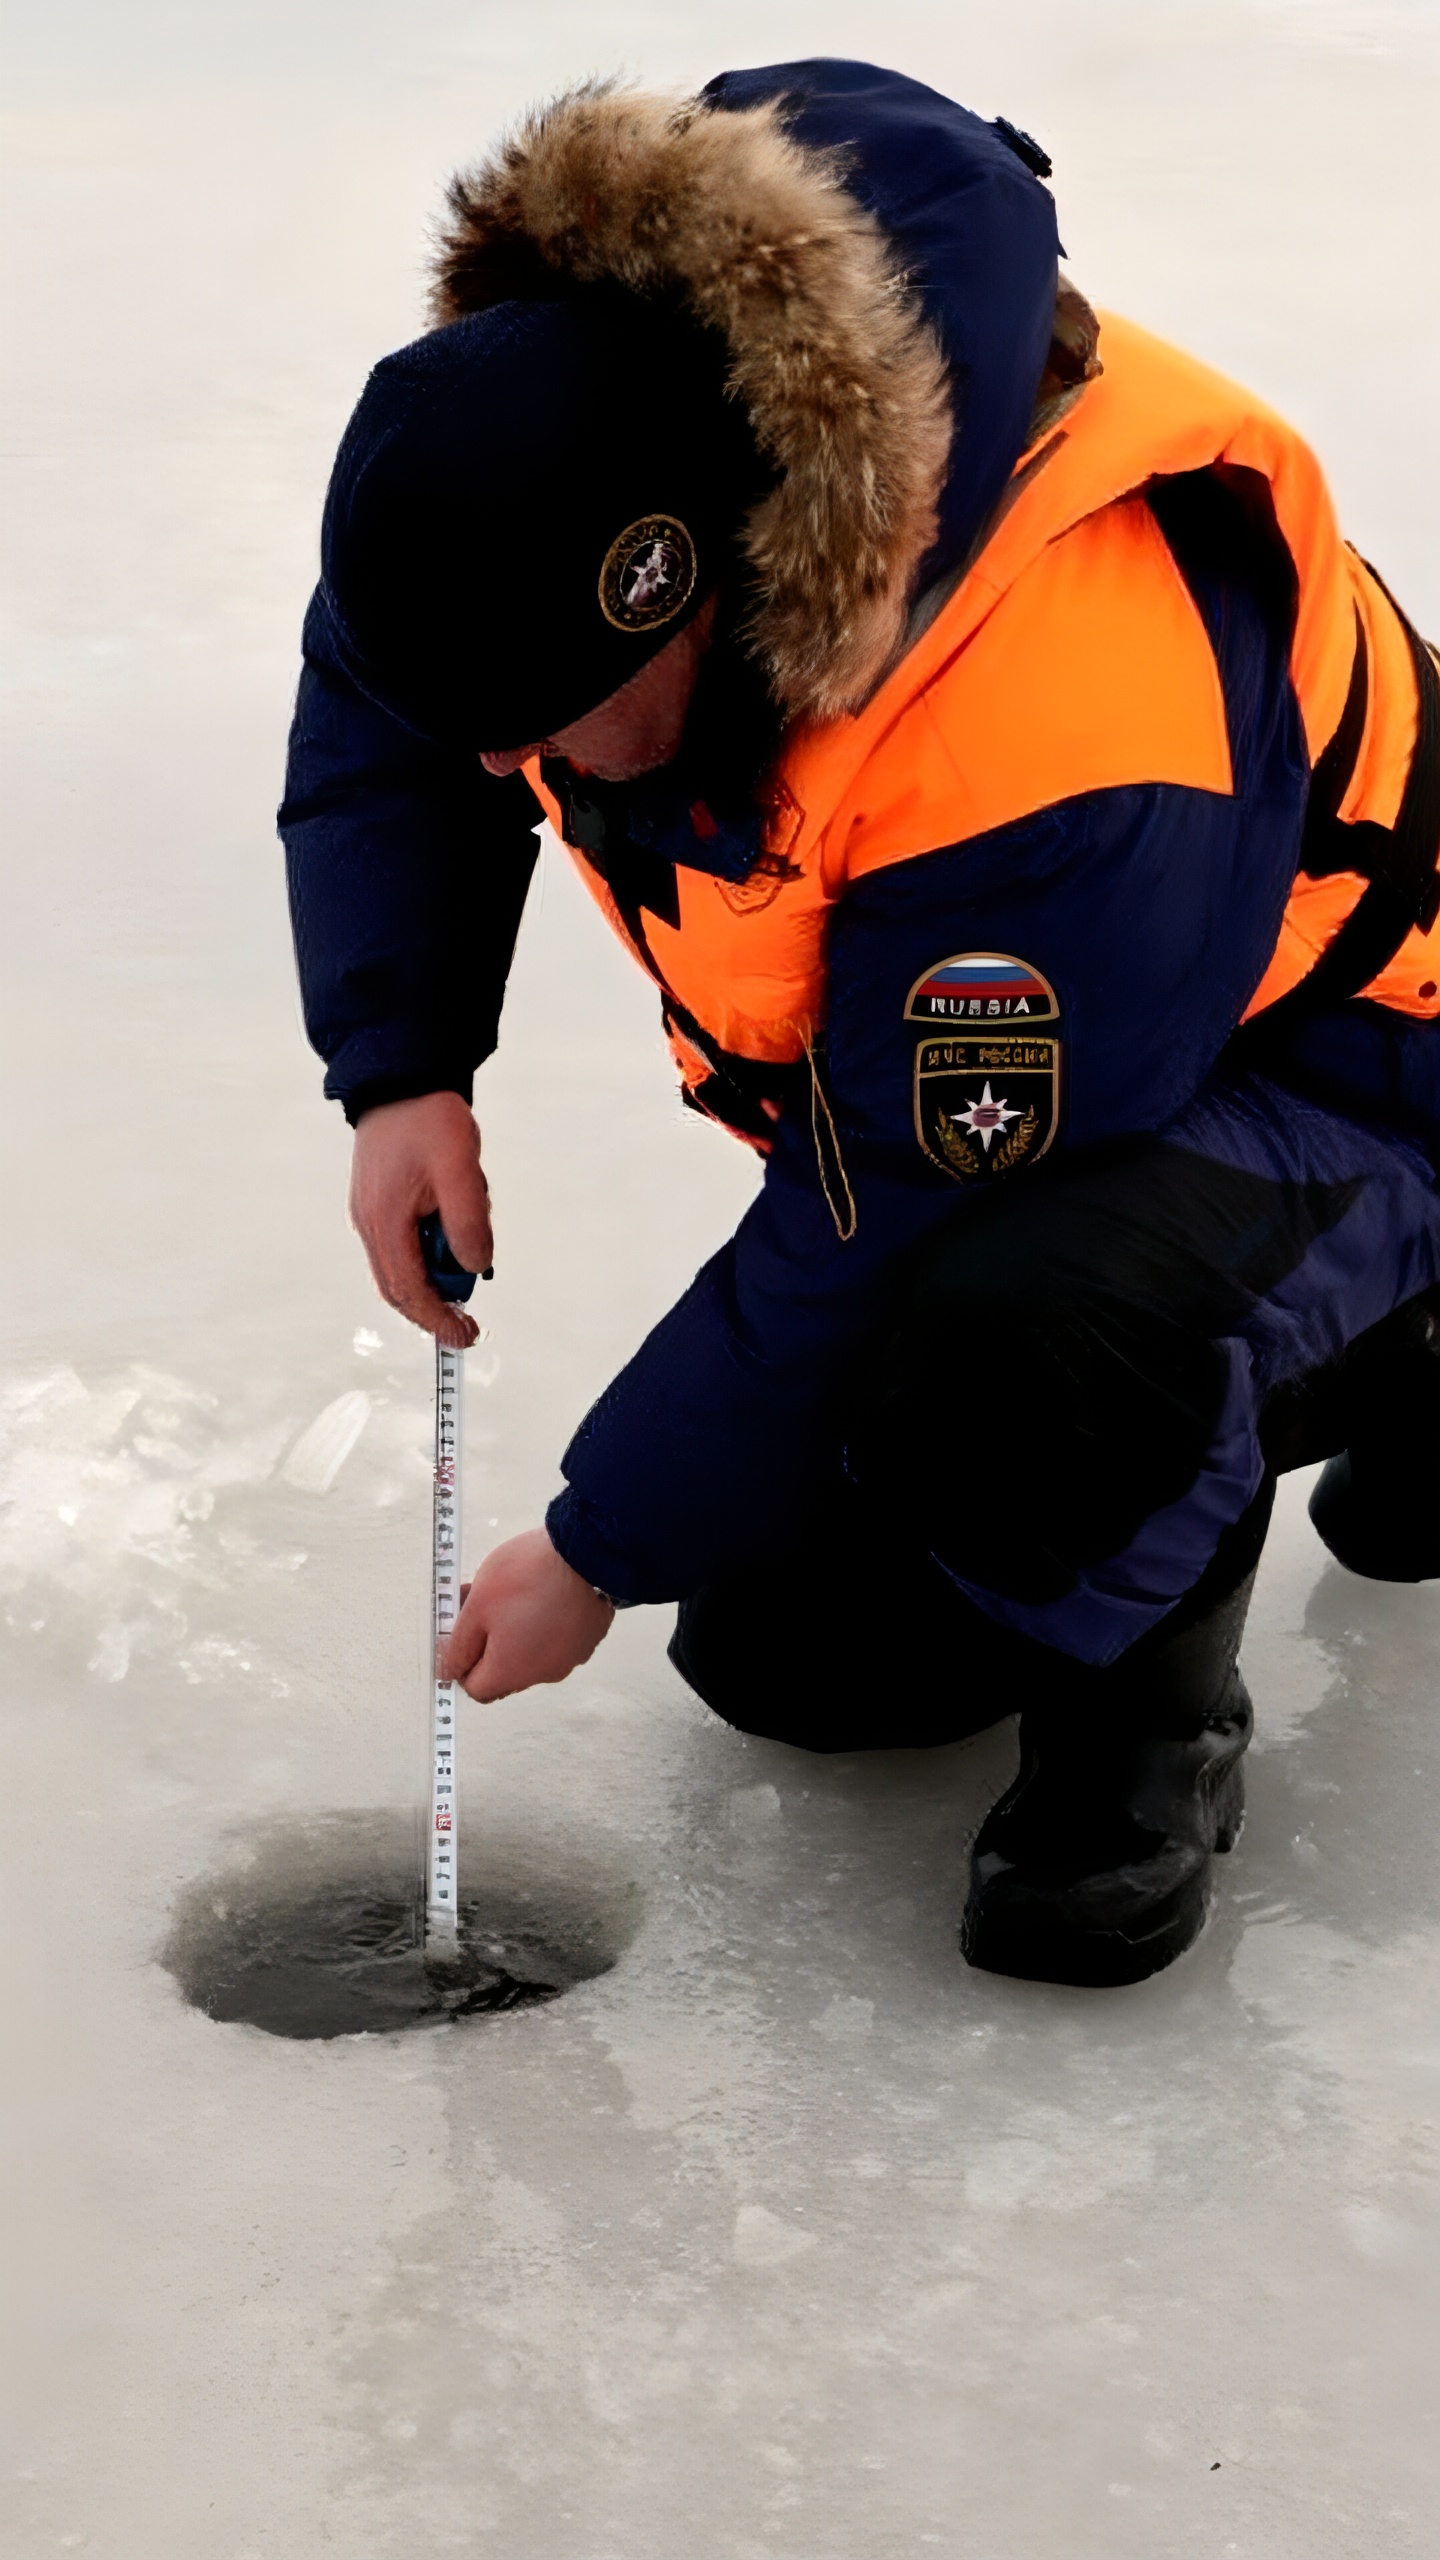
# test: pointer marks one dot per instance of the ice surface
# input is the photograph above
(784, 2234)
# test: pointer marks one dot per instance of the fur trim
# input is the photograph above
(1072, 361)
(843, 382)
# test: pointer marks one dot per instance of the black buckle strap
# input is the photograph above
(1400, 865)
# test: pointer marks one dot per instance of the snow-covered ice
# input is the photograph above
(786, 2234)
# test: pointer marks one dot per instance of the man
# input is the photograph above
(1027, 810)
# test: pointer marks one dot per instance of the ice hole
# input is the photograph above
(316, 1928)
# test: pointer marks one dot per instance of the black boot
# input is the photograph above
(1093, 1866)
(1377, 1505)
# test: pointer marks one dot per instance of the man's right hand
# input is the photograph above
(410, 1158)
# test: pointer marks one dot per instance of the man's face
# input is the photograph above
(636, 730)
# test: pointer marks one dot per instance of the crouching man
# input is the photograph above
(1027, 810)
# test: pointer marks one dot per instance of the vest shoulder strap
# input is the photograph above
(1399, 864)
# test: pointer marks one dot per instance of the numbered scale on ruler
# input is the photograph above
(442, 1882)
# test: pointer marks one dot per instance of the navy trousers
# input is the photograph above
(1070, 1421)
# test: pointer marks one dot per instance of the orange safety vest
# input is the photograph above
(1071, 658)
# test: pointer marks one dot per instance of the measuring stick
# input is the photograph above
(442, 1884)
(442, 1871)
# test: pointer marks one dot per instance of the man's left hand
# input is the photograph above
(526, 1617)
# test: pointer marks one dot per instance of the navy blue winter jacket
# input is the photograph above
(409, 866)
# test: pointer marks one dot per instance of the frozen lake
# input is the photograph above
(785, 2234)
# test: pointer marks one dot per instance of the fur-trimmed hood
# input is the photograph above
(882, 271)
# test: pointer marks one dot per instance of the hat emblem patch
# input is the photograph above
(648, 575)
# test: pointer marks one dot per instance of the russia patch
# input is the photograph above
(981, 986)
(987, 1091)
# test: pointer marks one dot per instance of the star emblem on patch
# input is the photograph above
(984, 1117)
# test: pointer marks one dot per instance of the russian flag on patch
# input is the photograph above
(984, 985)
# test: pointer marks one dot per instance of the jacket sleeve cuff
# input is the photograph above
(576, 1533)
(368, 1097)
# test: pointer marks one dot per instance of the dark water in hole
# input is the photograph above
(316, 1928)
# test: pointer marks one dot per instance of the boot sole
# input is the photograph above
(1038, 1946)
(1033, 1939)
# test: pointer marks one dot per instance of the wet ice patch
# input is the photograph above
(1066, 2165)
(1361, 2019)
(1008, 2174)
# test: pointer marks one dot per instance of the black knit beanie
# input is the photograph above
(528, 505)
